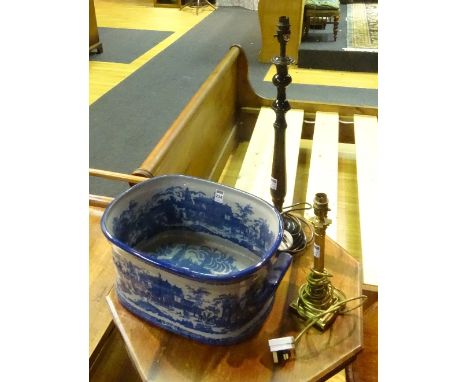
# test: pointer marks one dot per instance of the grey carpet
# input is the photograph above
(125, 45)
(127, 122)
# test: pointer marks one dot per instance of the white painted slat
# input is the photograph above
(366, 142)
(255, 173)
(294, 119)
(323, 171)
(254, 176)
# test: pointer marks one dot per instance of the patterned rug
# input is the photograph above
(363, 28)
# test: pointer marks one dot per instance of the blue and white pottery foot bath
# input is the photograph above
(195, 257)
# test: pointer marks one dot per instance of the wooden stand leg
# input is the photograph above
(349, 373)
(97, 47)
(305, 26)
(335, 26)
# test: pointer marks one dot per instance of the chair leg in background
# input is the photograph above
(336, 21)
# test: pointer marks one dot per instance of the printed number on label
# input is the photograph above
(316, 250)
(273, 184)
(219, 195)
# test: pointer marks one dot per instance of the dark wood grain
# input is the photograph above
(162, 356)
(365, 368)
(113, 363)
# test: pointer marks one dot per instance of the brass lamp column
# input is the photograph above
(320, 223)
(317, 295)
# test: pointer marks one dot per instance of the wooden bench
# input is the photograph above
(322, 173)
(225, 134)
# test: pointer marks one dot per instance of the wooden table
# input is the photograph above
(101, 280)
(162, 356)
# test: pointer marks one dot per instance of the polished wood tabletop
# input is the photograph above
(162, 356)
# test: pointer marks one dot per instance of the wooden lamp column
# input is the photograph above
(294, 236)
(280, 105)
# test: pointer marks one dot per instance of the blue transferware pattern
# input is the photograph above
(189, 308)
(177, 208)
(195, 257)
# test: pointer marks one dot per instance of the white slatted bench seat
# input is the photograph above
(323, 172)
(366, 142)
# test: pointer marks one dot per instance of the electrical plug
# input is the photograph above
(282, 349)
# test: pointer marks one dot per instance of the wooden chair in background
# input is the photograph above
(320, 13)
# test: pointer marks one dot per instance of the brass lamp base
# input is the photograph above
(310, 309)
(322, 323)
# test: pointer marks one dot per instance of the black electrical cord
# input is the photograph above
(295, 225)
